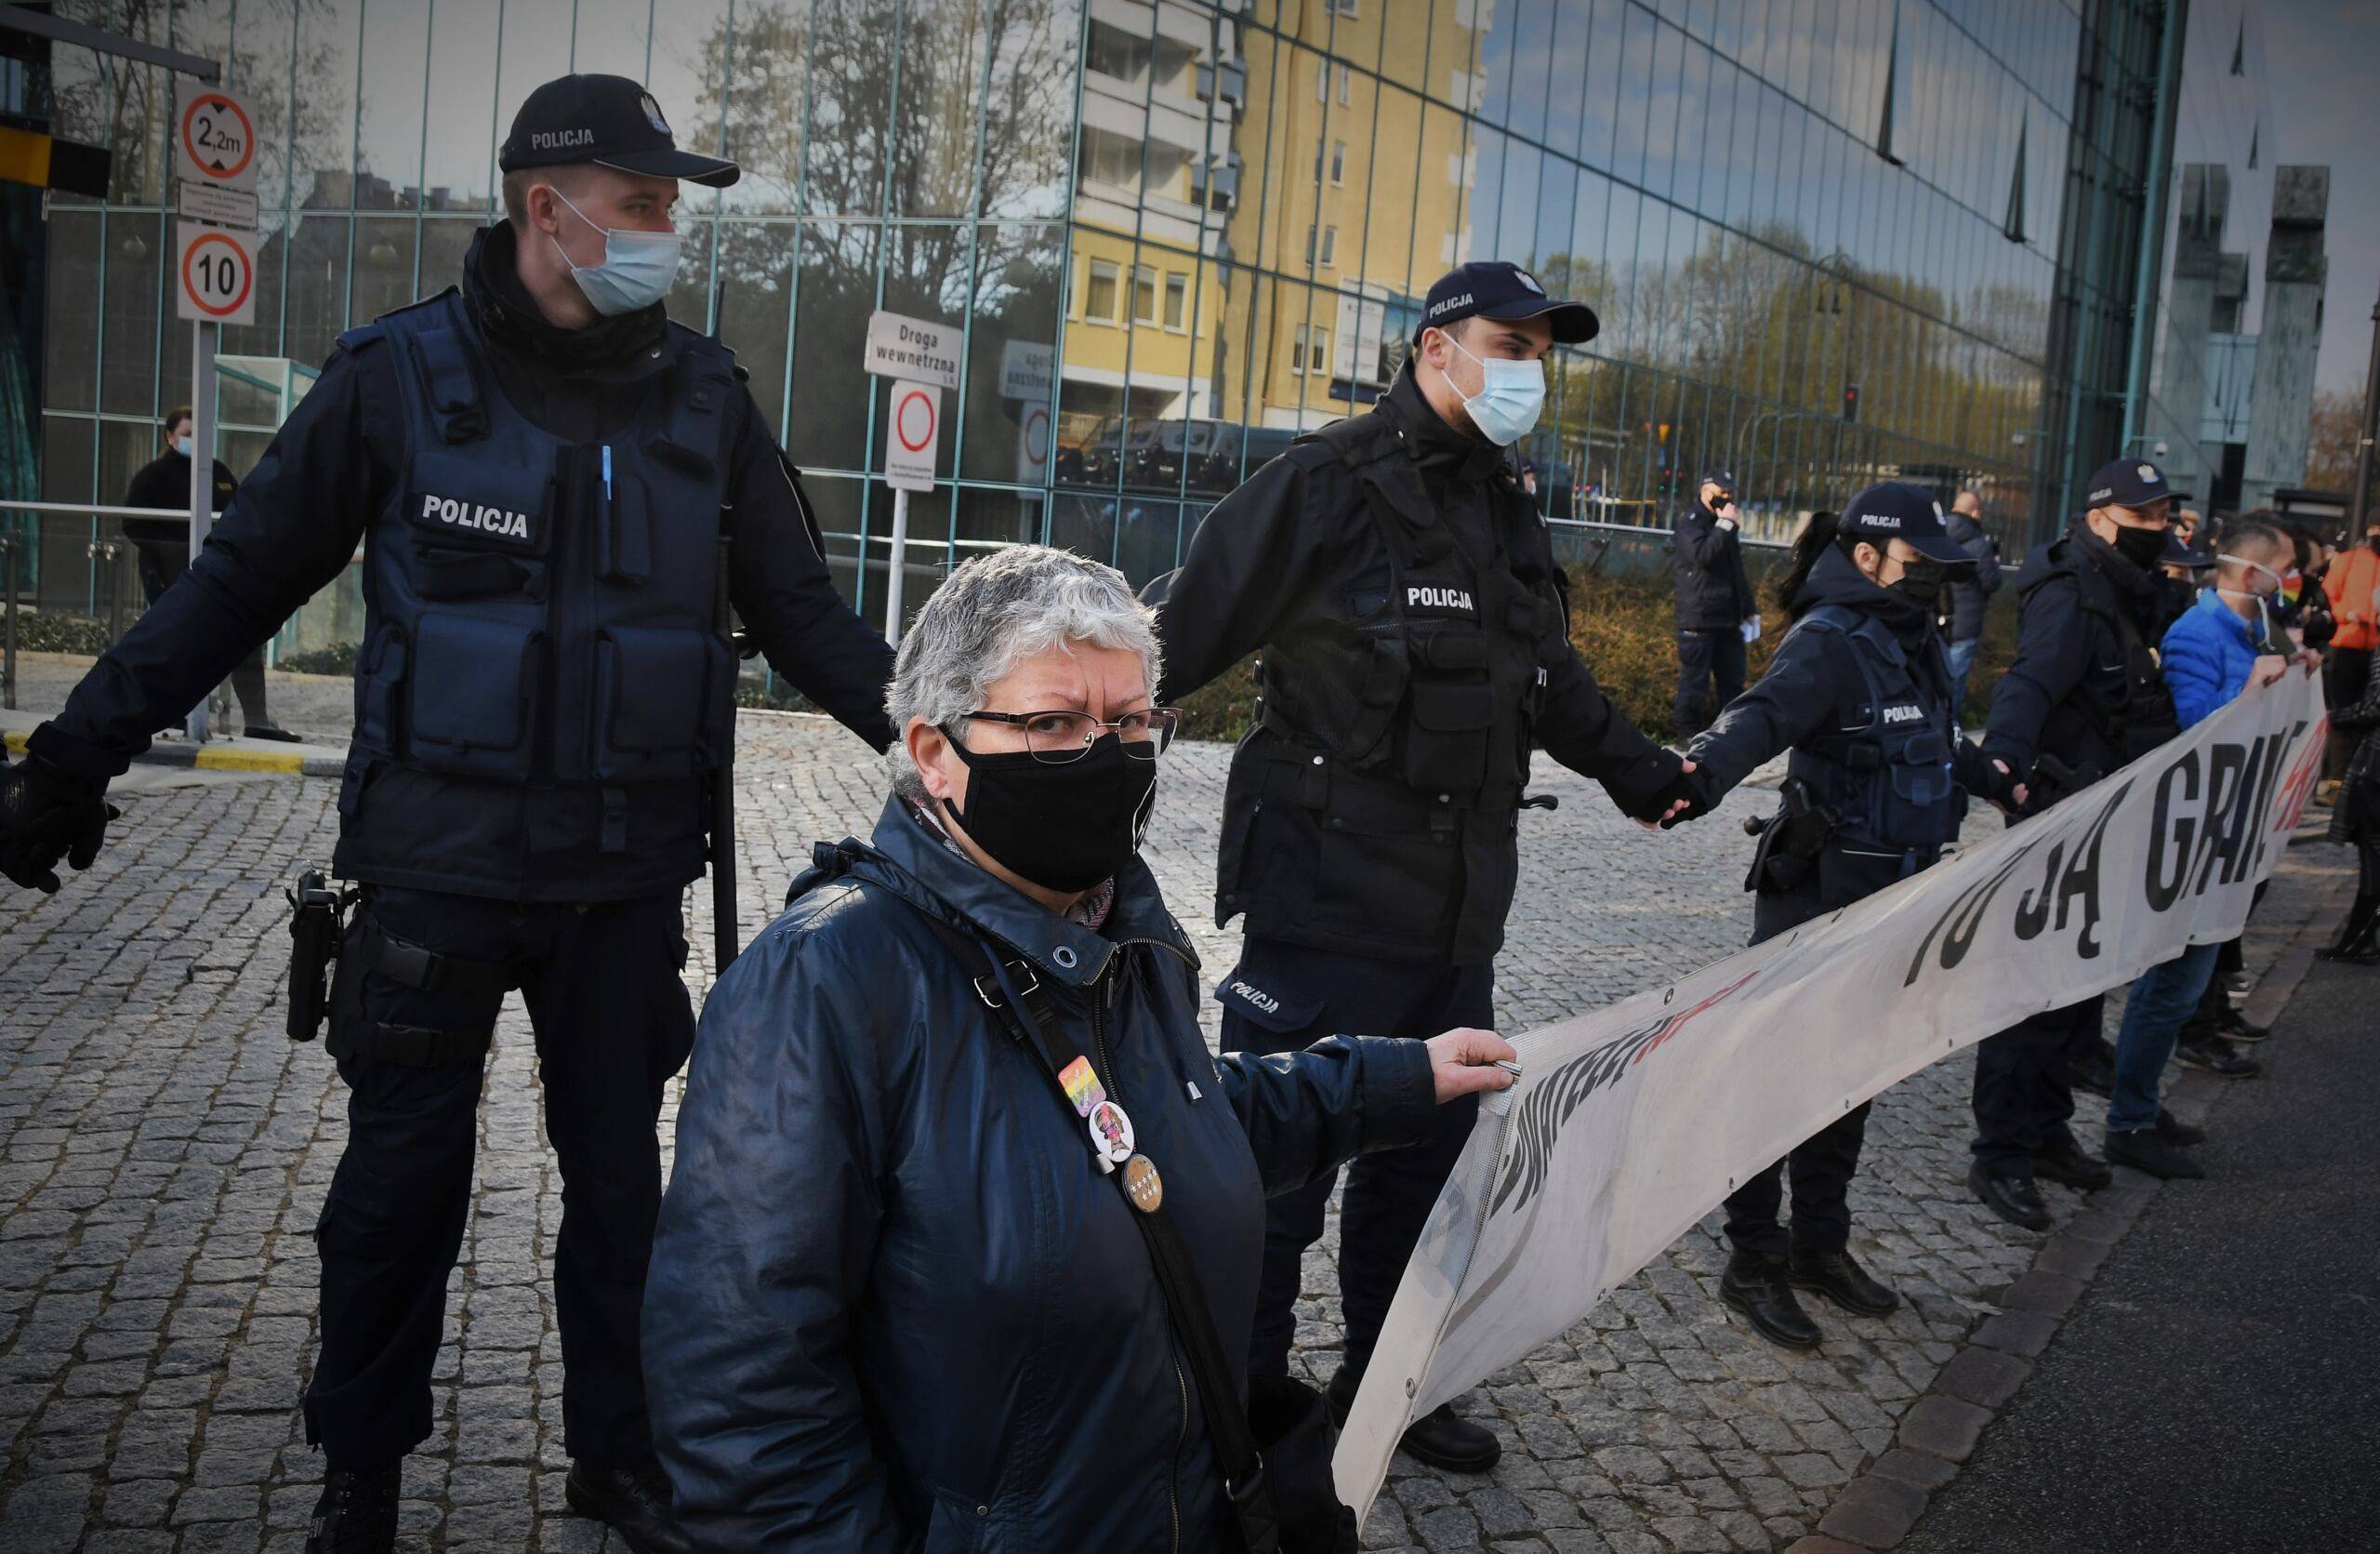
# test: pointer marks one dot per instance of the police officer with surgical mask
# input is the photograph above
(547, 476)
(1415, 636)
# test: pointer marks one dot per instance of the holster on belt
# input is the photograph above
(1789, 839)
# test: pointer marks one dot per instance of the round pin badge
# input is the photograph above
(1111, 1132)
(1143, 1185)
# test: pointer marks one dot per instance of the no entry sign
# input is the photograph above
(216, 275)
(912, 428)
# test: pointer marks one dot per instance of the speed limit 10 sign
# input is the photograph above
(216, 274)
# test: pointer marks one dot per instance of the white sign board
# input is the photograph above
(214, 137)
(912, 428)
(215, 203)
(216, 275)
(1632, 1122)
(1026, 370)
(912, 348)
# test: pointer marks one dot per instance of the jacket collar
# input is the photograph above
(912, 861)
(1441, 450)
(2212, 602)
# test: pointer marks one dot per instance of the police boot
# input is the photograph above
(1836, 1275)
(2013, 1199)
(1756, 1283)
(2359, 942)
(2094, 1069)
(357, 1514)
(2065, 1162)
(1441, 1437)
(633, 1502)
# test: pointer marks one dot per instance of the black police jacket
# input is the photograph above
(1416, 642)
(1859, 693)
(1971, 588)
(337, 465)
(2086, 692)
(892, 1303)
(1708, 562)
(164, 483)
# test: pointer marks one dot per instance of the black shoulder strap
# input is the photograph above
(444, 357)
(1037, 1029)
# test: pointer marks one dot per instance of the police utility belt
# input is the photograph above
(321, 933)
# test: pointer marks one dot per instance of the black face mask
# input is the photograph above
(2140, 547)
(1065, 826)
(1921, 582)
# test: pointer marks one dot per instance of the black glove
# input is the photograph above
(1700, 792)
(1643, 789)
(45, 816)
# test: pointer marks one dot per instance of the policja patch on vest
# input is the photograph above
(468, 520)
(1441, 601)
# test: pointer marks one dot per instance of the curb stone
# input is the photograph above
(1877, 1509)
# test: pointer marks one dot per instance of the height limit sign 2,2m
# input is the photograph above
(215, 164)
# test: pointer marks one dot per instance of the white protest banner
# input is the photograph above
(1631, 1123)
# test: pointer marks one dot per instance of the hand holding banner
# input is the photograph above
(1636, 1121)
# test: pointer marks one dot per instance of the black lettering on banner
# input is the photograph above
(2076, 875)
(2032, 907)
(1549, 1102)
(2225, 765)
(1964, 916)
(2255, 803)
(2167, 828)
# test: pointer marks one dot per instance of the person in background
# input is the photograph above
(1860, 695)
(164, 547)
(1971, 589)
(2213, 653)
(2355, 820)
(2352, 586)
(1717, 616)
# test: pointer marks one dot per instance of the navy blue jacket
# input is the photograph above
(892, 1303)
(302, 509)
(1971, 587)
(1711, 588)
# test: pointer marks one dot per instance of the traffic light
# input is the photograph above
(1851, 402)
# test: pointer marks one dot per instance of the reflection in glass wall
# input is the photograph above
(1822, 239)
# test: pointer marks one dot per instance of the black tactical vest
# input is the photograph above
(1393, 747)
(539, 613)
(1885, 769)
(2119, 709)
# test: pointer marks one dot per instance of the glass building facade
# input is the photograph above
(1831, 241)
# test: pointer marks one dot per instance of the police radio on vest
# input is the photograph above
(470, 515)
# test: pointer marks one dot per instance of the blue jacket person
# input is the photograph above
(1860, 694)
(541, 468)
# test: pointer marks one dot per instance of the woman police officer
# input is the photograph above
(1859, 693)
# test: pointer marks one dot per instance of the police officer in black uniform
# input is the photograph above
(1860, 692)
(1416, 642)
(544, 473)
(2083, 697)
(1714, 602)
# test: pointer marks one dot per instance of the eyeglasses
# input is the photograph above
(1057, 737)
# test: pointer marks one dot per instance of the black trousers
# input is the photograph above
(1823, 1165)
(1315, 993)
(161, 567)
(1707, 662)
(2022, 1094)
(612, 1022)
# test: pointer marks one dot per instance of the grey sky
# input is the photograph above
(2322, 65)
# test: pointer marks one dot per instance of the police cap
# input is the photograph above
(1895, 510)
(1721, 477)
(608, 120)
(2132, 483)
(1490, 289)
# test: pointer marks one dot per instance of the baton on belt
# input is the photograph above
(722, 794)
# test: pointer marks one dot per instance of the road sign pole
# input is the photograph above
(202, 472)
(896, 566)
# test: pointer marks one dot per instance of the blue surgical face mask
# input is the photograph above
(637, 268)
(181, 444)
(1511, 396)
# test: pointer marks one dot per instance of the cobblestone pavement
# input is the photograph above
(164, 1153)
